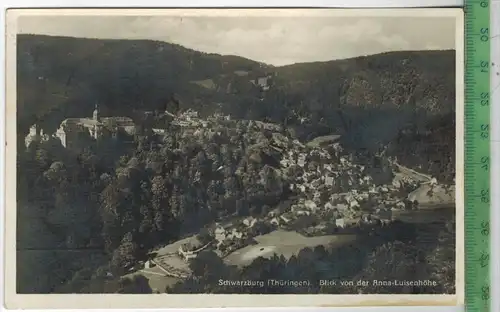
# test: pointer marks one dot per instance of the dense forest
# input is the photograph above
(82, 216)
(121, 205)
(85, 216)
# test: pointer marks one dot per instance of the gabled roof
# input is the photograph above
(79, 121)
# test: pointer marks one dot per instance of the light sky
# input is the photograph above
(273, 40)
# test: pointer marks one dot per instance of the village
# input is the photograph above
(335, 198)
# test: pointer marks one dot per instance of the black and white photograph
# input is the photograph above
(224, 151)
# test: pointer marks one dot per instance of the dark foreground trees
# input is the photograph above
(364, 266)
(157, 188)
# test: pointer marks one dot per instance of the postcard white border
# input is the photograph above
(15, 301)
(236, 3)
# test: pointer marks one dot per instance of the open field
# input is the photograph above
(326, 139)
(207, 83)
(286, 243)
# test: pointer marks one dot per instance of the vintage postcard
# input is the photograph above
(229, 157)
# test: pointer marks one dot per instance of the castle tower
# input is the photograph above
(96, 113)
(61, 134)
(33, 136)
(35, 130)
(96, 129)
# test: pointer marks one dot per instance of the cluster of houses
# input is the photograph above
(231, 237)
(190, 118)
(332, 192)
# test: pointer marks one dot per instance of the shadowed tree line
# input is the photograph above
(396, 252)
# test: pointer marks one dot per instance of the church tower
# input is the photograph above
(96, 113)
(96, 131)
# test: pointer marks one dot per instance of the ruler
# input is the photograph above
(478, 66)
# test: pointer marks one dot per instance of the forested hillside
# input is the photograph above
(85, 217)
(59, 77)
(368, 99)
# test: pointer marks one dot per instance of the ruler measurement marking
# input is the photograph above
(477, 154)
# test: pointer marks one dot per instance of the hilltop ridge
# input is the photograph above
(70, 74)
(371, 100)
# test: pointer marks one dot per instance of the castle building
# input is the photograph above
(263, 82)
(35, 135)
(71, 129)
